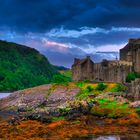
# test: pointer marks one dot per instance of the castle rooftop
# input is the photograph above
(134, 41)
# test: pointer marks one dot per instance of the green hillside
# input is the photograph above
(22, 67)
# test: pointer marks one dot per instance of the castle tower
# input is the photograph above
(129, 56)
(137, 61)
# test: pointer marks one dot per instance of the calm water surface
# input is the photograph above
(134, 137)
(2, 95)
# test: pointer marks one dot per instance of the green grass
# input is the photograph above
(55, 119)
(85, 92)
(66, 73)
(76, 122)
(138, 111)
(60, 79)
(89, 88)
(118, 88)
(110, 108)
(64, 110)
(80, 84)
(108, 103)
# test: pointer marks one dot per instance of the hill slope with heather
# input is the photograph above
(23, 67)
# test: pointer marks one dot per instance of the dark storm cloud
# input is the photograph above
(64, 29)
(42, 15)
(39, 15)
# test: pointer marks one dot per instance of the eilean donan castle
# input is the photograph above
(109, 70)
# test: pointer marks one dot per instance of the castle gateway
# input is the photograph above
(109, 70)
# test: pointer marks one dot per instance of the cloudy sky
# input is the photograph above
(64, 29)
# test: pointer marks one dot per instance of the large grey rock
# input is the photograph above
(49, 96)
(135, 104)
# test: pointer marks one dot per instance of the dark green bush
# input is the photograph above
(101, 86)
(137, 74)
(89, 88)
(130, 77)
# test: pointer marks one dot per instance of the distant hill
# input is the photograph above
(59, 68)
(22, 67)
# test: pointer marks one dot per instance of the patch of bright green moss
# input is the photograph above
(110, 108)
(85, 92)
(64, 110)
(55, 119)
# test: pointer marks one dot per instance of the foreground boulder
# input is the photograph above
(54, 100)
(135, 104)
(49, 96)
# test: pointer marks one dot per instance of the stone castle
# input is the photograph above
(109, 70)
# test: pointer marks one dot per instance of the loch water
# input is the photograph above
(2, 95)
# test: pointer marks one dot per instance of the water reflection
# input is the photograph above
(107, 138)
(2, 95)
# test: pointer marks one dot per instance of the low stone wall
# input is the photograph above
(133, 90)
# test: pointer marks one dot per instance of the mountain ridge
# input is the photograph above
(23, 67)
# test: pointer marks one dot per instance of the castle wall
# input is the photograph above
(76, 73)
(137, 66)
(113, 72)
(131, 52)
(110, 71)
(82, 70)
(87, 70)
(123, 54)
(133, 90)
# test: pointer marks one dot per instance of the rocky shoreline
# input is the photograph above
(58, 105)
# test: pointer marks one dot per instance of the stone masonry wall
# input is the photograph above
(112, 71)
(133, 91)
(131, 53)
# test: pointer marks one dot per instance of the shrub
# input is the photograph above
(101, 86)
(130, 77)
(89, 88)
(80, 84)
(137, 74)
